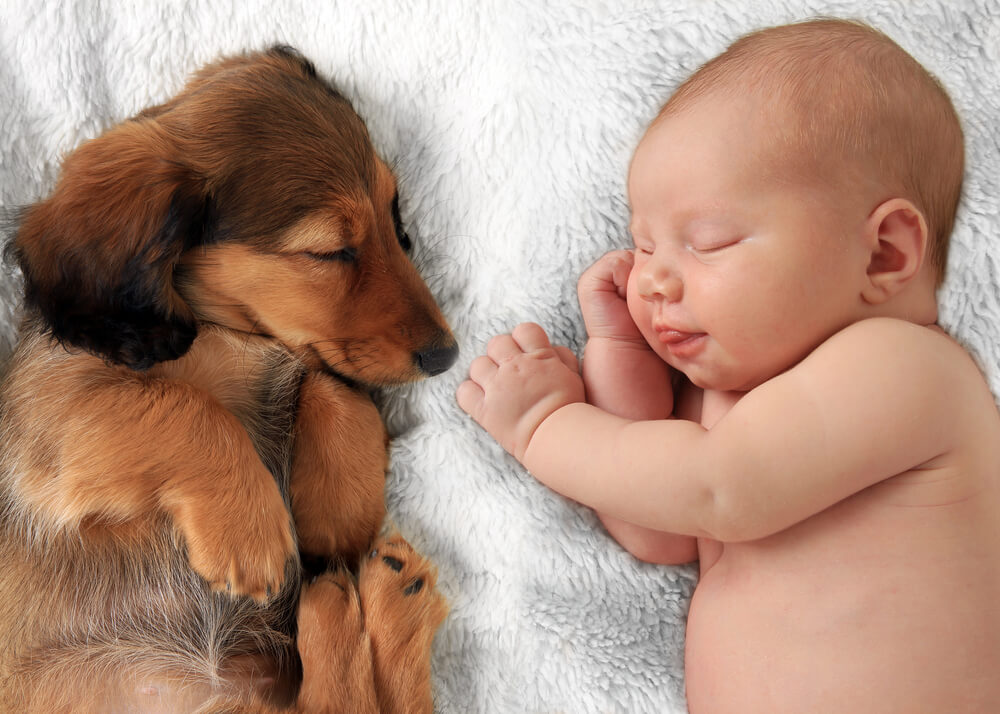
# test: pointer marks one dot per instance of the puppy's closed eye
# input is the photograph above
(344, 255)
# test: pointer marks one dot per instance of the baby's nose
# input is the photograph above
(660, 282)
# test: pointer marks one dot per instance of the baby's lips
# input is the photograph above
(672, 336)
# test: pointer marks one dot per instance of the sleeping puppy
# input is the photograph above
(209, 291)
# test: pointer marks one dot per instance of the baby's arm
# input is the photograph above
(870, 403)
(623, 376)
(621, 372)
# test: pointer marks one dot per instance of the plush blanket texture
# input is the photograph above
(510, 125)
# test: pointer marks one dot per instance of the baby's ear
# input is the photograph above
(896, 233)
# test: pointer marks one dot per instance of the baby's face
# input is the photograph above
(738, 274)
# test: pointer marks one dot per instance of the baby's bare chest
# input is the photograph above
(886, 589)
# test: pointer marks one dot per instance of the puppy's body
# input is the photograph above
(177, 432)
(97, 594)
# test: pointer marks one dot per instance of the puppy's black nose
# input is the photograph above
(437, 359)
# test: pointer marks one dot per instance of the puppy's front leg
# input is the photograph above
(117, 445)
(338, 469)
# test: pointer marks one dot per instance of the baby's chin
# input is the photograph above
(710, 371)
(723, 382)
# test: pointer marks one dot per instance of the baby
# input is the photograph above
(764, 388)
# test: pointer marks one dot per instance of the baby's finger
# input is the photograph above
(621, 270)
(603, 273)
(568, 358)
(482, 370)
(502, 347)
(530, 337)
(470, 397)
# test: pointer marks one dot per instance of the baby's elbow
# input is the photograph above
(651, 546)
(663, 549)
(673, 554)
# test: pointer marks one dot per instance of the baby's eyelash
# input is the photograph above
(714, 245)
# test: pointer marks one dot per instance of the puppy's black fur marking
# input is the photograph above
(123, 317)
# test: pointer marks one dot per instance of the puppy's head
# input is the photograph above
(253, 200)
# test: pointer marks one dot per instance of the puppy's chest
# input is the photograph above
(268, 414)
(256, 381)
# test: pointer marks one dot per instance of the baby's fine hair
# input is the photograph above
(857, 100)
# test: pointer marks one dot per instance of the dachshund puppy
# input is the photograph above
(209, 291)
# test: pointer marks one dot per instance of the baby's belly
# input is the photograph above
(861, 609)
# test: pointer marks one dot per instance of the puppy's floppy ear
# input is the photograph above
(98, 255)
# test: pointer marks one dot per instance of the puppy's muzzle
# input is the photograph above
(435, 360)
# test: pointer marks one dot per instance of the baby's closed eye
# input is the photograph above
(711, 243)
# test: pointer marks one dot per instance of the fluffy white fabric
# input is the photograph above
(510, 125)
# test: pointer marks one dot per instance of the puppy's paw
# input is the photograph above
(241, 550)
(334, 648)
(329, 614)
(402, 607)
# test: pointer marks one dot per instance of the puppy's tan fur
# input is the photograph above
(210, 289)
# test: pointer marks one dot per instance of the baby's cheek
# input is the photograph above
(641, 313)
(636, 305)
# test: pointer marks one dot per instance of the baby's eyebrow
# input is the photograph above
(702, 223)
(691, 221)
(713, 216)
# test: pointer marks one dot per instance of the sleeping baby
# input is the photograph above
(764, 388)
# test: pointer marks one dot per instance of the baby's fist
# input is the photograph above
(602, 292)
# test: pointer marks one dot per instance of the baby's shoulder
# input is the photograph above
(925, 358)
(900, 374)
(900, 341)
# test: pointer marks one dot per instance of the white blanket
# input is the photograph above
(510, 125)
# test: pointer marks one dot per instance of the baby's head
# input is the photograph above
(846, 108)
(804, 180)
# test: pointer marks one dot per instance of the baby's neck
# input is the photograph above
(714, 405)
(705, 406)
(708, 406)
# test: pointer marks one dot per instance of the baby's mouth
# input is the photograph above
(669, 336)
(679, 342)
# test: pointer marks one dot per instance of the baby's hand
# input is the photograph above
(602, 294)
(622, 373)
(520, 381)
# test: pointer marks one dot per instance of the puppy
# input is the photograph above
(209, 291)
